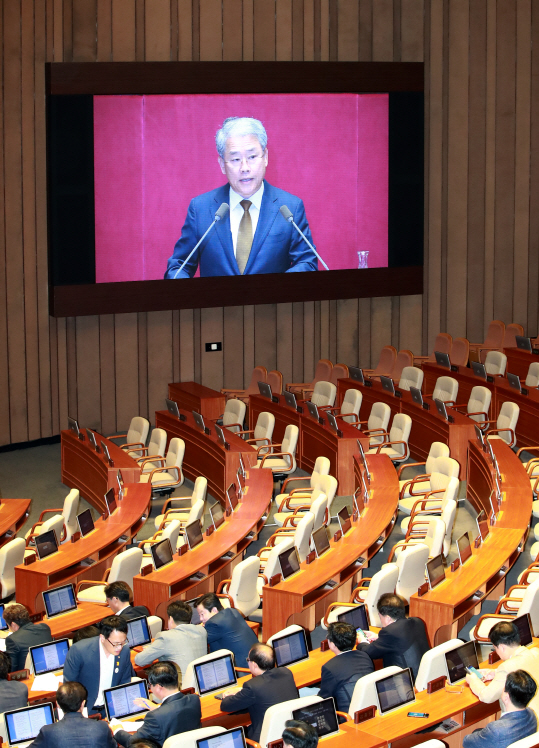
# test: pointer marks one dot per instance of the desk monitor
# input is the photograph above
(387, 384)
(230, 739)
(313, 410)
(290, 648)
(290, 399)
(514, 381)
(172, 407)
(221, 438)
(289, 562)
(3, 624)
(73, 425)
(395, 691)
(332, 422)
(91, 438)
(46, 544)
(24, 724)
(356, 617)
(321, 715)
(457, 660)
(232, 496)
(215, 675)
(344, 520)
(442, 359)
(217, 516)
(120, 482)
(363, 459)
(85, 522)
(242, 467)
(441, 408)
(480, 437)
(359, 500)
(199, 420)
(106, 451)
(479, 370)
(120, 700)
(357, 374)
(110, 501)
(525, 344)
(482, 524)
(321, 541)
(46, 658)
(138, 632)
(161, 553)
(435, 571)
(417, 397)
(193, 533)
(265, 390)
(464, 547)
(524, 626)
(59, 600)
(241, 481)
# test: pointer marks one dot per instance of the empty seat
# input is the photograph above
(262, 432)
(405, 359)
(377, 423)
(442, 344)
(11, 555)
(350, 407)
(136, 435)
(493, 341)
(275, 381)
(259, 374)
(386, 362)
(446, 389)
(324, 394)
(505, 424)
(283, 461)
(242, 587)
(411, 376)
(444, 468)
(189, 739)
(339, 371)
(167, 476)
(495, 363)
(153, 456)
(511, 332)
(421, 481)
(411, 563)
(532, 378)
(234, 415)
(432, 504)
(460, 352)
(321, 373)
(396, 447)
(180, 508)
(478, 404)
(125, 566)
(321, 467)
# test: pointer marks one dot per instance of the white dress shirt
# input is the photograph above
(106, 672)
(236, 211)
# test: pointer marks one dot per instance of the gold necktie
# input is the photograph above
(245, 236)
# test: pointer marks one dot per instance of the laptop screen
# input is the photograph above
(457, 660)
(321, 715)
(480, 437)
(482, 524)
(356, 617)
(232, 496)
(229, 739)
(417, 397)
(524, 626)
(332, 421)
(313, 410)
(215, 674)
(359, 499)
(86, 522)
(161, 554)
(172, 407)
(289, 562)
(59, 600)
(46, 544)
(265, 389)
(363, 459)
(25, 724)
(46, 658)
(464, 547)
(344, 520)
(514, 381)
(193, 533)
(435, 571)
(3, 624)
(138, 632)
(321, 541)
(387, 384)
(290, 399)
(199, 420)
(120, 700)
(525, 344)
(442, 359)
(105, 451)
(356, 373)
(395, 691)
(73, 425)
(221, 438)
(440, 407)
(91, 438)
(110, 501)
(479, 370)
(290, 648)
(120, 482)
(217, 515)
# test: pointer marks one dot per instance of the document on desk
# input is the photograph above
(60, 600)
(47, 682)
(126, 725)
(52, 660)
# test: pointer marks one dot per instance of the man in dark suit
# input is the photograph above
(101, 662)
(252, 238)
(268, 686)
(402, 641)
(74, 730)
(226, 628)
(340, 675)
(177, 713)
(25, 634)
(13, 694)
(119, 596)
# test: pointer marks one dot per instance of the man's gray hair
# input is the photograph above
(240, 126)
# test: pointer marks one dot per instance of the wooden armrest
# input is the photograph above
(292, 520)
(117, 436)
(277, 454)
(484, 423)
(151, 541)
(140, 446)
(222, 584)
(168, 503)
(245, 431)
(259, 439)
(527, 573)
(48, 511)
(269, 444)
(504, 603)
(230, 426)
(337, 605)
(386, 444)
(88, 583)
(149, 458)
(527, 449)
(289, 480)
(300, 491)
(242, 670)
(298, 385)
(230, 600)
(402, 544)
(264, 578)
(166, 470)
(478, 413)
(346, 716)
(253, 743)
(423, 507)
(265, 548)
(408, 465)
(485, 639)
(498, 431)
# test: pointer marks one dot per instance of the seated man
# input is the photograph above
(505, 639)
(13, 694)
(182, 643)
(518, 720)
(25, 634)
(402, 641)
(177, 712)
(268, 686)
(226, 628)
(119, 596)
(299, 735)
(339, 675)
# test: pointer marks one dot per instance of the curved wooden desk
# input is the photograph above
(303, 598)
(13, 515)
(464, 376)
(192, 396)
(176, 580)
(518, 361)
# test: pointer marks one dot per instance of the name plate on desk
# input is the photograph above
(436, 685)
(337, 536)
(210, 531)
(75, 537)
(275, 579)
(324, 645)
(183, 549)
(423, 589)
(362, 715)
(36, 617)
(19, 675)
(29, 559)
(455, 564)
(146, 570)
(276, 743)
(311, 557)
(493, 657)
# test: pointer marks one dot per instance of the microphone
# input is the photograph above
(220, 214)
(287, 215)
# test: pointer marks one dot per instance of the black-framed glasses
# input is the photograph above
(118, 645)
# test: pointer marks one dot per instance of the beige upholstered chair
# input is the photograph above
(241, 589)
(154, 454)
(125, 566)
(260, 374)
(180, 508)
(442, 344)
(350, 407)
(437, 449)
(136, 435)
(275, 381)
(511, 332)
(404, 359)
(295, 508)
(324, 394)
(171, 530)
(276, 716)
(364, 693)
(495, 363)
(301, 534)
(506, 424)
(281, 462)
(443, 470)
(530, 742)
(306, 485)
(318, 506)
(189, 739)
(478, 404)
(431, 532)
(377, 423)
(532, 379)
(339, 371)
(189, 680)
(460, 352)
(411, 376)
(396, 446)
(383, 581)
(284, 632)
(56, 523)
(432, 505)
(167, 476)
(493, 341)
(411, 563)
(518, 601)
(234, 415)
(196, 513)
(262, 432)
(269, 560)
(11, 555)
(445, 389)
(386, 362)
(321, 373)
(433, 664)
(69, 512)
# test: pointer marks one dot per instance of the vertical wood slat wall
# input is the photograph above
(481, 197)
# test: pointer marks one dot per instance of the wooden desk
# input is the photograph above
(518, 361)
(13, 515)
(284, 416)
(371, 395)
(464, 376)
(89, 557)
(304, 598)
(176, 582)
(192, 396)
(203, 453)
(86, 614)
(85, 469)
(527, 432)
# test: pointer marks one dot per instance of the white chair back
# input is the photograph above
(433, 663)
(277, 715)
(530, 604)
(234, 414)
(290, 443)
(411, 563)
(495, 363)
(189, 739)
(265, 423)
(199, 490)
(172, 532)
(272, 566)
(383, 581)
(70, 511)
(156, 625)
(138, 430)
(411, 376)
(321, 467)
(352, 405)
(364, 694)
(243, 587)
(11, 555)
(400, 431)
(435, 536)
(446, 389)
(532, 378)
(189, 680)
(479, 402)
(318, 509)
(302, 536)
(158, 442)
(324, 394)
(530, 742)
(448, 518)
(196, 512)
(328, 484)
(437, 449)
(508, 419)
(378, 419)
(174, 458)
(56, 523)
(125, 566)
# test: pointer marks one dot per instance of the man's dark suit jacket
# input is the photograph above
(13, 695)
(339, 676)
(258, 694)
(82, 665)
(402, 643)
(18, 643)
(75, 731)
(228, 630)
(179, 713)
(134, 612)
(277, 247)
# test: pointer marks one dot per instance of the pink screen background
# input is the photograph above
(153, 154)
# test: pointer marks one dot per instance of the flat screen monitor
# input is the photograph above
(313, 410)
(464, 547)
(120, 700)
(24, 724)
(442, 359)
(356, 617)
(479, 370)
(525, 344)
(110, 501)
(441, 408)
(215, 675)
(106, 452)
(357, 374)
(290, 648)
(172, 407)
(359, 500)
(120, 482)
(229, 739)
(344, 520)
(417, 397)
(457, 660)
(217, 515)
(289, 562)
(59, 600)
(332, 421)
(199, 420)
(241, 481)
(290, 399)
(363, 459)
(232, 496)
(321, 715)
(193, 533)
(321, 541)
(482, 524)
(480, 436)
(265, 390)
(161, 553)
(46, 658)
(387, 384)
(435, 571)
(395, 691)
(73, 426)
(524, 626)
(514, 381)
(242, 467)
(91, 438)
(221, 438)
(3, 624)
(138, 632)
(46, 544)
(85, 522)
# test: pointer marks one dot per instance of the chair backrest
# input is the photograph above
(511, 332)
(435, 536)
(70, 511)
(125, 566)
(156, 625)
(290, 443)
(378, 419)
(243, 587)
(351, 404)
(364, 694)
(411, 562)
(234, 413)
(189, 680)
(448, 518)
(383, 581)
(404, 358)
(272, 566)
(322, 371)
(460, 352)
(172, 532)
(530, 742)
(495, 334)
(322, 466)
(275, 381)
(386, 362)
(446, 389)
(158, 442)
(432, 663)
(411, 376)
(199, 490)
(318, 509)
(138, 430)
(448, 467)
(196, 511)
(507, 419)
(288, 630)
(328, 484)
(532, 379)
(56, 523)
(530, 604)
(276, 716)
(479, 402)
(324, 394)
(495, 363)
(339, 371)
(265, 423)
(302, 536)
(443, 343)
(175, 453)
(11, 555)
(437, 449)
(189, 739)
(400, 431)
(451, 492)
(260, 374)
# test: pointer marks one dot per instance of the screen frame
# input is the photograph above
(148, 640)
(125, 685)
(298, 714)
(27, 709)
(297, 571)
(301, 632)
(42, 537)
(457, 649)
(88, 513)
(206, 742)
(207, 662)
(45, 594)
(390, 677)
(47, 644)
(153, 552)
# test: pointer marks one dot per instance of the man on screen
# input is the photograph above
(253, 237)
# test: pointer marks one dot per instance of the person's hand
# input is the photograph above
(488, 674)
(145, 703)
(370, 636)
(231, 691)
